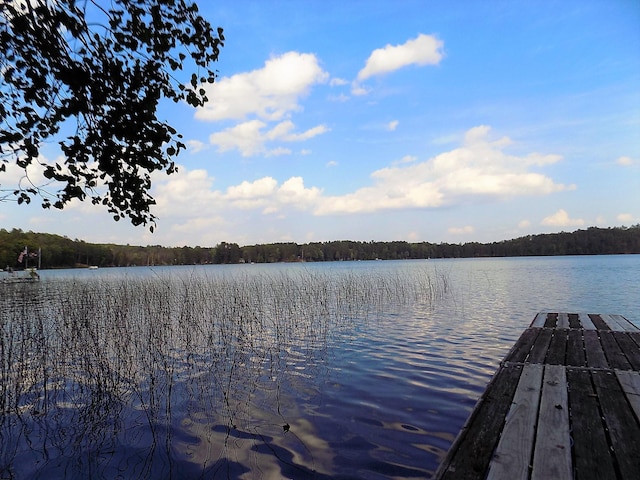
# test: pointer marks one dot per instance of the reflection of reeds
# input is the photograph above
(104, 365)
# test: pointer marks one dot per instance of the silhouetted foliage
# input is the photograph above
(61, 252)
(90, 75)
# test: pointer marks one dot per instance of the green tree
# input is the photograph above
(90, 75)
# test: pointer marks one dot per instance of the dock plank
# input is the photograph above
(595, 354)
(522, 347)
(484, 428)
(621, 423)
(512, 457)
(563, 321)
(574, 321)
(588, 432)
(552, 320)
(613, 323)
(630, 383)
(599, 322)
(575, 349)
(552, 454)
(557, 348)
(540, 319)
(626, 324)
(539, 350)
(629, 348)
(564, 403)
(586, 322)
(612, 351)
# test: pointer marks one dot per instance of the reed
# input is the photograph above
(108, 364)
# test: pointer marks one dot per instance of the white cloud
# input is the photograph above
(249, 139)
(461, 230)
(524, 224)
(478, 169)
(270, 93)
(391, 126)
(626, 218)
(246, 137)
(561, 219)
(338, 98)
(196, 146)
(277, 152)
(422, 50)
(259, 188)
(625, 161)
(336, 82)
(359, 90)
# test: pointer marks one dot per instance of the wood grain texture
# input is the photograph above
(512, 458)
(552, 454)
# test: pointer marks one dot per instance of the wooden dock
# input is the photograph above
(564, 404)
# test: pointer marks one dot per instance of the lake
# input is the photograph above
(342, 370)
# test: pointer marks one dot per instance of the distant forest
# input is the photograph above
(62, 252)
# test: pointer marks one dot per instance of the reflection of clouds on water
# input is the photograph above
(373, 366)
(180, 376)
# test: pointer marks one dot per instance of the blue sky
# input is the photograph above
(398, 120)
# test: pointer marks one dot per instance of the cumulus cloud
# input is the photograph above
(524, 224)
(625, 218)
(270, 93)
(561, 219)
(195, 146)
(480, 168)
(249, 138)
(422, 50)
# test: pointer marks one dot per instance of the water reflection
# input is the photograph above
(187, 377)
(366, 370)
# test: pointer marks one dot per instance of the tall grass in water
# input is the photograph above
(145, 372)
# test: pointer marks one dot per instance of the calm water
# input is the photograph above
(255, 371)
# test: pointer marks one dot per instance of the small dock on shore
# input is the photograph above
(564, 404)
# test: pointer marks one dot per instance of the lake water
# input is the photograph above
(330, 370)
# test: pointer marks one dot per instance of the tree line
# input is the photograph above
(62, 252)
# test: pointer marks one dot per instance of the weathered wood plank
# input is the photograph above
(613, 323)
(629, 348)
(595, 354)
(512, 457)
(552, 454)
(586, 322)
(588, 415)
(621, 423)
(575, 349)
(539, 350)
(563, 321)
(630, 383)
(539, 321)
(574, 321)
(552, 320)
(479, 439)
(557, 348)
(613, 352)
(598, 322)
(590, 447)
(520, 351)
(626, 324)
